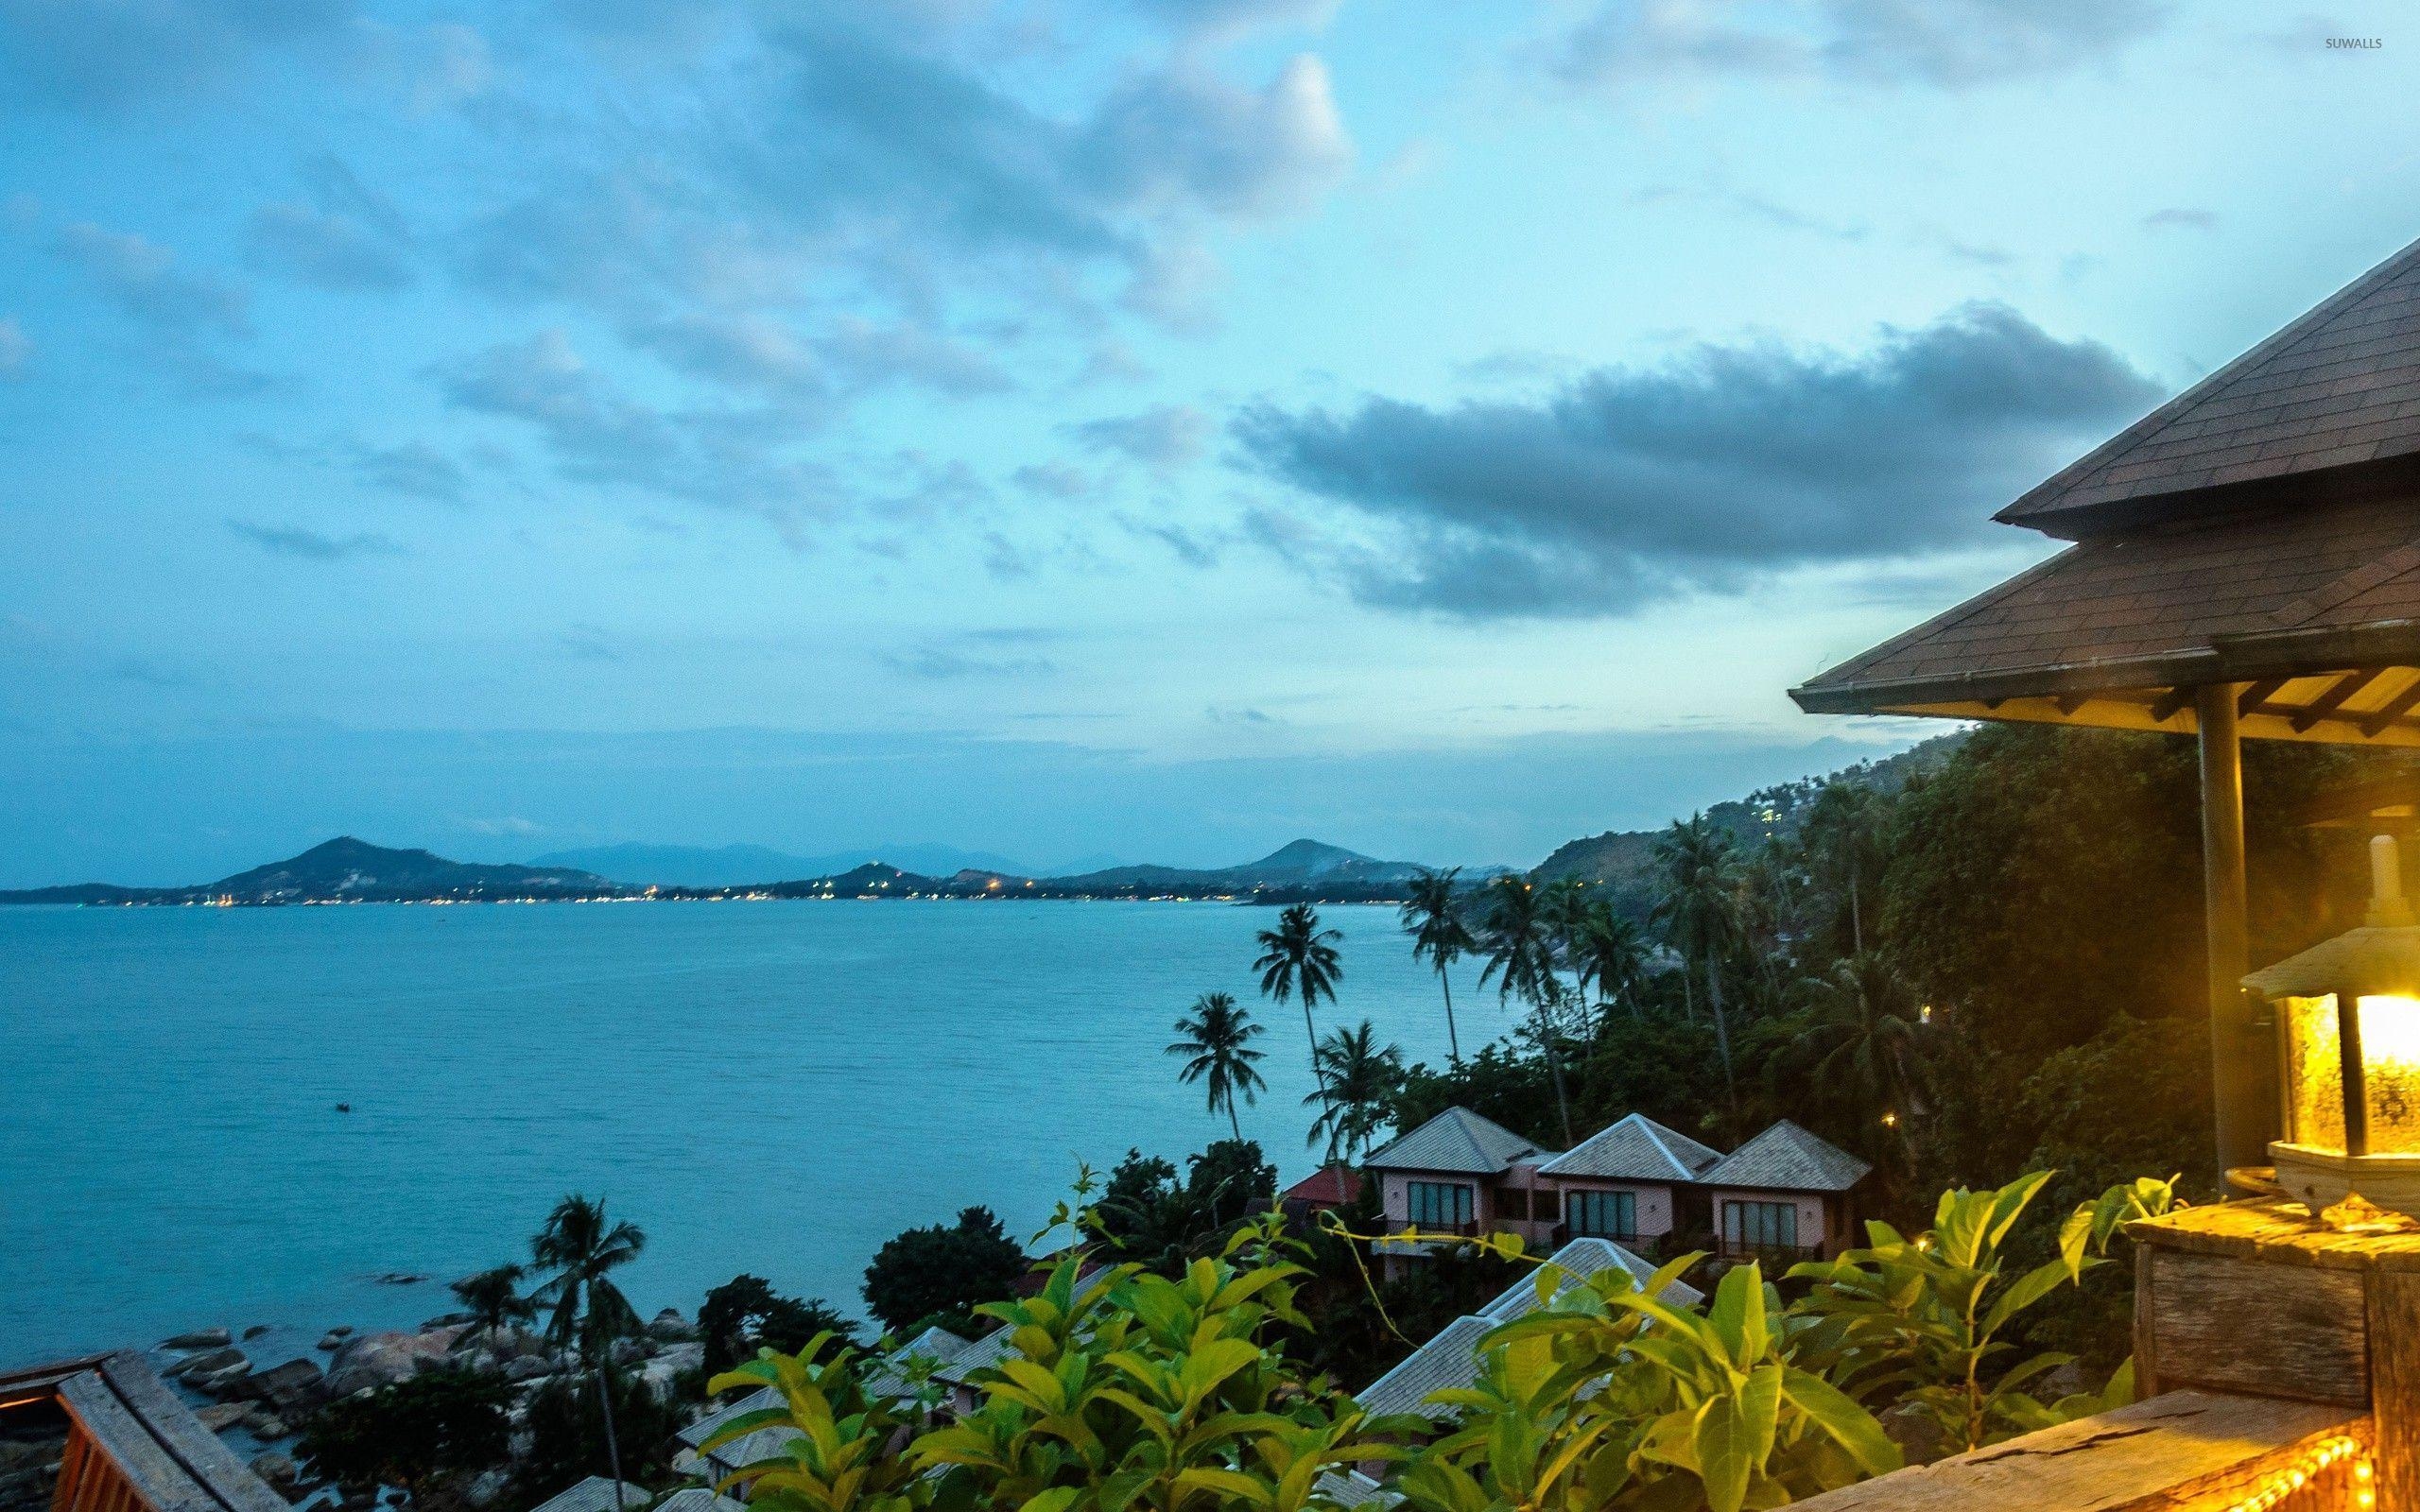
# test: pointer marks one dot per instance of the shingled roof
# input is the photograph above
(1457, 1140)
(2338, 388)
(1636, 1148)
(2262, 528)
(1787, 1158)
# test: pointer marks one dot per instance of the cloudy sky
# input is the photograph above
(1152, 428)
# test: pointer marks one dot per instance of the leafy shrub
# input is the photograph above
(412, 1434)
(744, 1312)
(942, 1273)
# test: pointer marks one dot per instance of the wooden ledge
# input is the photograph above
(2187, 1448)
(2275, 1233)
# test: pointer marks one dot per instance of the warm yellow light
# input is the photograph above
(1890, 1121)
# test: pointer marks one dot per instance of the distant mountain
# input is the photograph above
(1296, 863)
(734, 865)
(349, 870)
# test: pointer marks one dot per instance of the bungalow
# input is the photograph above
(1786, 1195)
(1329, 1189)
(1450, 1360)
(595, 1494)
(1633, 1182)
(1462, 1174)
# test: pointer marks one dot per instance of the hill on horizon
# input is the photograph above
(641, 864)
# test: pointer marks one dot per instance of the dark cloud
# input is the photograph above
(1948, 44)
(1628, 483)
(1164, 437)
(294, 541)
(103, 54)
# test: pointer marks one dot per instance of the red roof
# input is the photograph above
(1336, 1186)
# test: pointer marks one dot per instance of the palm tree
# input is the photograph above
(493, 1299)
(1699, 911)
(1218, 1036)
(1843, 841)
(1863, 1052)
(1566, 906)
(1434, 921)
(1297, 959)
(1519, 941)
(582, 1247)
(1612, 953)
(1359, 1081)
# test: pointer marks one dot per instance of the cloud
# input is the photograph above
(294, 541)
(942, 665)
(414, 469)
(1221, 20)
(1052, 480)
(141, 279)
(2180, 218)
(344, 237)
(1628, 483)
(16, 347)
(108, 54)
(1163, 439)
(870, 355)
(1186, 136)
(1943, 44)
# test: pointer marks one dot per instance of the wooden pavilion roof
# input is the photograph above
(2262, 528)
(132, 1446)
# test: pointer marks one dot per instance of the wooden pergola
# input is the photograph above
(2245, 564)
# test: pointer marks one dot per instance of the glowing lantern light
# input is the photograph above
(2348, 1025)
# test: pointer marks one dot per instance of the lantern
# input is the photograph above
(2348, 1039)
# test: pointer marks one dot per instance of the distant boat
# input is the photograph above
(344, 1108)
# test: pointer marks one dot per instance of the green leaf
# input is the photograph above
(1841, 1420)
(1734, 1436)
(2023, 1293)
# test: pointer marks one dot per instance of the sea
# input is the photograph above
(267, 1117)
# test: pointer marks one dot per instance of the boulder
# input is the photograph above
(373, 1360)
(661, 1370)
(278, 1472)
(527, 1367)
(200, 1339)
(671, 1327)
(487, 1487)
(266, 1426)
(219, 1417)
(255, 1330)
(628, 1351)
(289, 1387)
(402, 1277)
(331, 1341)
(447, 1320)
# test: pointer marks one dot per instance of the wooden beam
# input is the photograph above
(2239, 1068)
(2329, 701)
(2167, 705)
(2375, 723)
(2256, 694)
(2068, 703)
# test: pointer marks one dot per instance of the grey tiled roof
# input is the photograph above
(2339, 386)
(1460, 1140)
(594, 1494)
(699, 1499)
(1450, 1360)
(711, 1424)
(988, 1351)
(1636, 1148)
(1349, 1488)
(887, 1374)
(1789, 1159)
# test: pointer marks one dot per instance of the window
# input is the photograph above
(1604, 1215)
(1545, 1204)
(1439, 1204)
(1512, 1202)
(1760, 1225)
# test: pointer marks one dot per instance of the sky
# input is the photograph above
(1138, 428)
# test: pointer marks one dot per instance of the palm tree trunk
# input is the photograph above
(1856, 917)
(1452, 1041)
(1311, 1033)
(1722, 1026)
(1232, 1122)
(1546, 1037)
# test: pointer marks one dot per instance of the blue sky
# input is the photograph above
(1148, 427)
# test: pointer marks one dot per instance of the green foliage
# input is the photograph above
(1358, 1082)
(1929, 1320)
(744, 1312)
(842, 1462)
(412, 1434)
(493, 1299)
(1498, 1083)
(942, 1273)
(1216, 1039)
(567, 1430)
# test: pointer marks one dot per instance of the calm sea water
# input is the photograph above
(772, 1086)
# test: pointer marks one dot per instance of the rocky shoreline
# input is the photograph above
(250, 1404)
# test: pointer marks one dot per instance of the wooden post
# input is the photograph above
(2395, 1384)
(2240, 1067)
